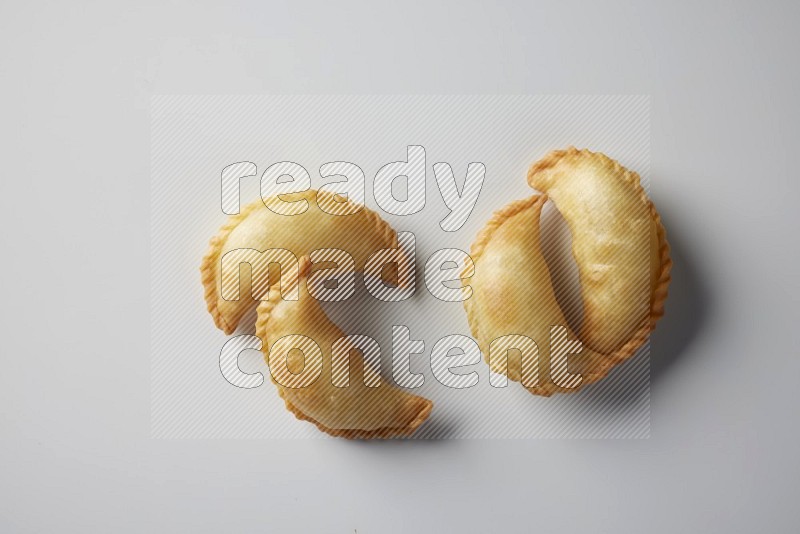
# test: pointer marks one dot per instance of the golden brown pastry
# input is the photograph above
(354, 411)
(513, 296)
(256, 227)
(618, 242)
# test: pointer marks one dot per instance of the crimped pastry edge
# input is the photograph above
(380, 433)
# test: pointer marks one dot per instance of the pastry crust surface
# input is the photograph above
(618, 243)
(513, 295)
(256, 227)
(355, 411)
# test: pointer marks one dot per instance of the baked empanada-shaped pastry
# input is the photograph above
(257, 227)
(513, 297)
(618, 242)
(353, 411)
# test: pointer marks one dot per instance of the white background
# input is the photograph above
(76, 80)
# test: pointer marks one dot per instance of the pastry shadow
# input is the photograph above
(436, 429)
(687, 309)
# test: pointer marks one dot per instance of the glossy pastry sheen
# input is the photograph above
(257, 227)
(513, 295)
(618, 243)
(354, 411)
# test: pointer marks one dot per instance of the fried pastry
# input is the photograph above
(354, 411)
(513, 302)
(360, 233)
(618, 242)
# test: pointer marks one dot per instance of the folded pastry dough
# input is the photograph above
(618, 242)
(256, 227)
(513, 296)
(354, 411)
